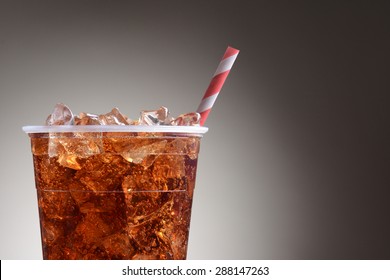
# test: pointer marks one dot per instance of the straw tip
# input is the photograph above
(230, 51)
(233, 49)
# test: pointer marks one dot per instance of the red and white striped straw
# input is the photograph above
(216, 83)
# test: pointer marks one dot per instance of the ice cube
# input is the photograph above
(86, 119)
(144, 153)
(147, 227)
(169, 166)
(115, 117)
(103, 173)
(57, 205)
(155, 117)
(61, 115)
(118, 246)
(69, 160)
(71, 147)
(187, 119)
(95, 225)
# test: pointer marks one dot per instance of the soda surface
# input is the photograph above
(114, 195)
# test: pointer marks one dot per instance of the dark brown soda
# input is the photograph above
(114, 195)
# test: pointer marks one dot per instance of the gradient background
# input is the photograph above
(296, 164)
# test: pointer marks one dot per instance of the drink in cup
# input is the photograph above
(115, 191)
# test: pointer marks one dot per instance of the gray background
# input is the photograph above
(296, 162)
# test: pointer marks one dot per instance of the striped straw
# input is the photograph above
(216, 83)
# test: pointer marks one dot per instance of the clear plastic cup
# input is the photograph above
(115, 192)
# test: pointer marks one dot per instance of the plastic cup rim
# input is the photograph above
(115, 128)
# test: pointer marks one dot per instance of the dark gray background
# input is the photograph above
(296, 162)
